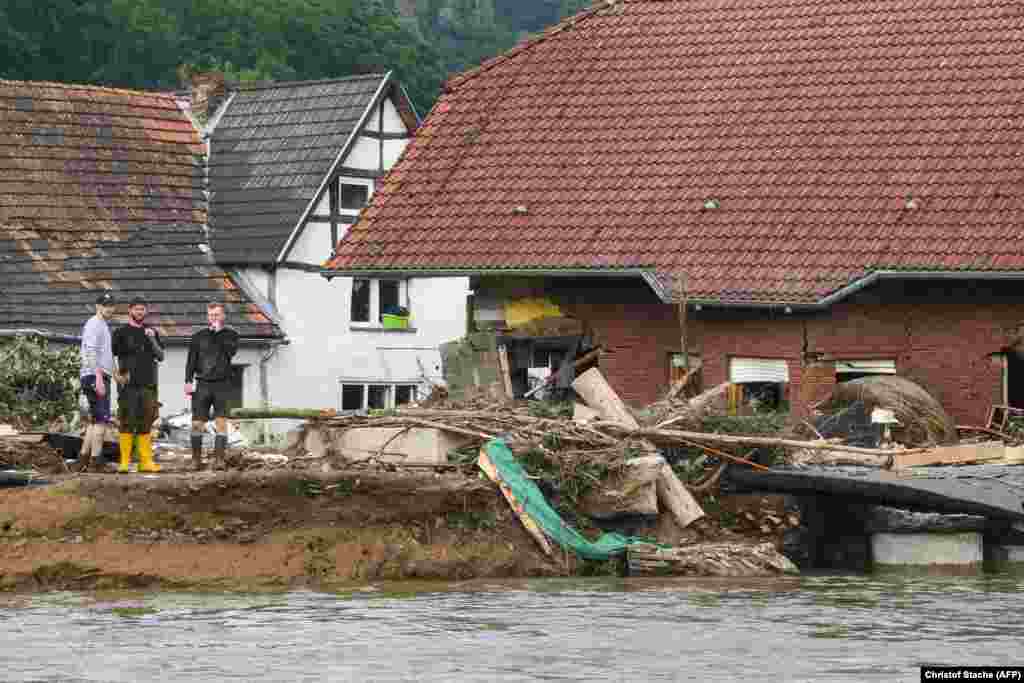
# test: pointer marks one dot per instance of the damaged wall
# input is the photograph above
(946, 336)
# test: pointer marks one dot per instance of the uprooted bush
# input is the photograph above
(38, 382)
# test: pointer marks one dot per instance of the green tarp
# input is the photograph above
(536, 506)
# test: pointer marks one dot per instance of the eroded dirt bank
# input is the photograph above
(271, 530)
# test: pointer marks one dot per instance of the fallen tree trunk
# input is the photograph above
(672, 436)
(709, 559)
(696, 405)
(283, 413)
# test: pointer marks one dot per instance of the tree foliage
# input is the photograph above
(144, 43)
(38, 382)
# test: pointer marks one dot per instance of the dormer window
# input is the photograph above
(347, 197)
(353, 197)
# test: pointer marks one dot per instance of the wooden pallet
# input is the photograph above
(999, 416)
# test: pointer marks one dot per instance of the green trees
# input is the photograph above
(142, 43)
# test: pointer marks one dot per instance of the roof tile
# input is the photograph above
(812, 124)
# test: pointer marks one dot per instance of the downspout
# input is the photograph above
(265, 383)
(271, 352)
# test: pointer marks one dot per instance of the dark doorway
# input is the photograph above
(1014, 379)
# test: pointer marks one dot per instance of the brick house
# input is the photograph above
(835, 186)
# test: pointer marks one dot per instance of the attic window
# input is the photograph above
(711, 203)
(354, 196)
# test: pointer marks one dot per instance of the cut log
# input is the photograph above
(630, 491)
(581, 413)
(598, 394)
(709, 559)
(676, 498)
(811, 456)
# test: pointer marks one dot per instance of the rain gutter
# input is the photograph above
(666, 296)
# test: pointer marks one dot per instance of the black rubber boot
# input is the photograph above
(197, 453)
(220, 445)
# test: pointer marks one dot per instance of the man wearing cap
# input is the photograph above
(209, 362)
(96, 368)
(138, 350)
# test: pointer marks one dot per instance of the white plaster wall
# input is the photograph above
(393, 122)
(324, 207)
(392, 150)
(313, 245)
(325, 349)
(365, 154)
(259, 278)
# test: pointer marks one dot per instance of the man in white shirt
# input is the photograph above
(97, 367)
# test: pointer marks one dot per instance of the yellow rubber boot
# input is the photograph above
(125, 442)
(146, 463)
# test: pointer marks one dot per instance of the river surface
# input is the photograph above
(811, 628)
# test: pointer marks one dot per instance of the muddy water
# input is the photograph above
(823, 628)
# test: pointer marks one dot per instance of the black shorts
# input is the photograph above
(137, 408)
(98, 406)
(210, 395)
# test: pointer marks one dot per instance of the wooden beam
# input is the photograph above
(952, 455)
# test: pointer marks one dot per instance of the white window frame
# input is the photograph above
(374, 321)
(390, 396)
(368, 184)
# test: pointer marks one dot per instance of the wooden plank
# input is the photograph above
(952, 455)
(506, 376)
(531, 526)
(598, 394)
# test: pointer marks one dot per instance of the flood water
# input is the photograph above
(812, 628)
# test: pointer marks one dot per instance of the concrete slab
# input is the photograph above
(416, 446)
(927, 550)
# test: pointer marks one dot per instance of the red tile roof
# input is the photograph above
(837, 137)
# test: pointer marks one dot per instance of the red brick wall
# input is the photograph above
(638, 340)
(945, 347)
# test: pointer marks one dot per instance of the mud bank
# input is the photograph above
(274, 530)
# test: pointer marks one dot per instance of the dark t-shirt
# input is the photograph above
(135, 354)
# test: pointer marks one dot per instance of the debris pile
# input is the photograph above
(920, 419)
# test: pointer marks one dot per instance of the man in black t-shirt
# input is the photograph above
(138, 349)
(209, 362)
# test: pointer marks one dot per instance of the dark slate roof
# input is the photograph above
(102, 189)
(271, 151)
(770, 150)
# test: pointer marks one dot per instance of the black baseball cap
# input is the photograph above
(138, 300)
(106, 298)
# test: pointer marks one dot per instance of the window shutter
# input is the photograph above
(742, 370)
